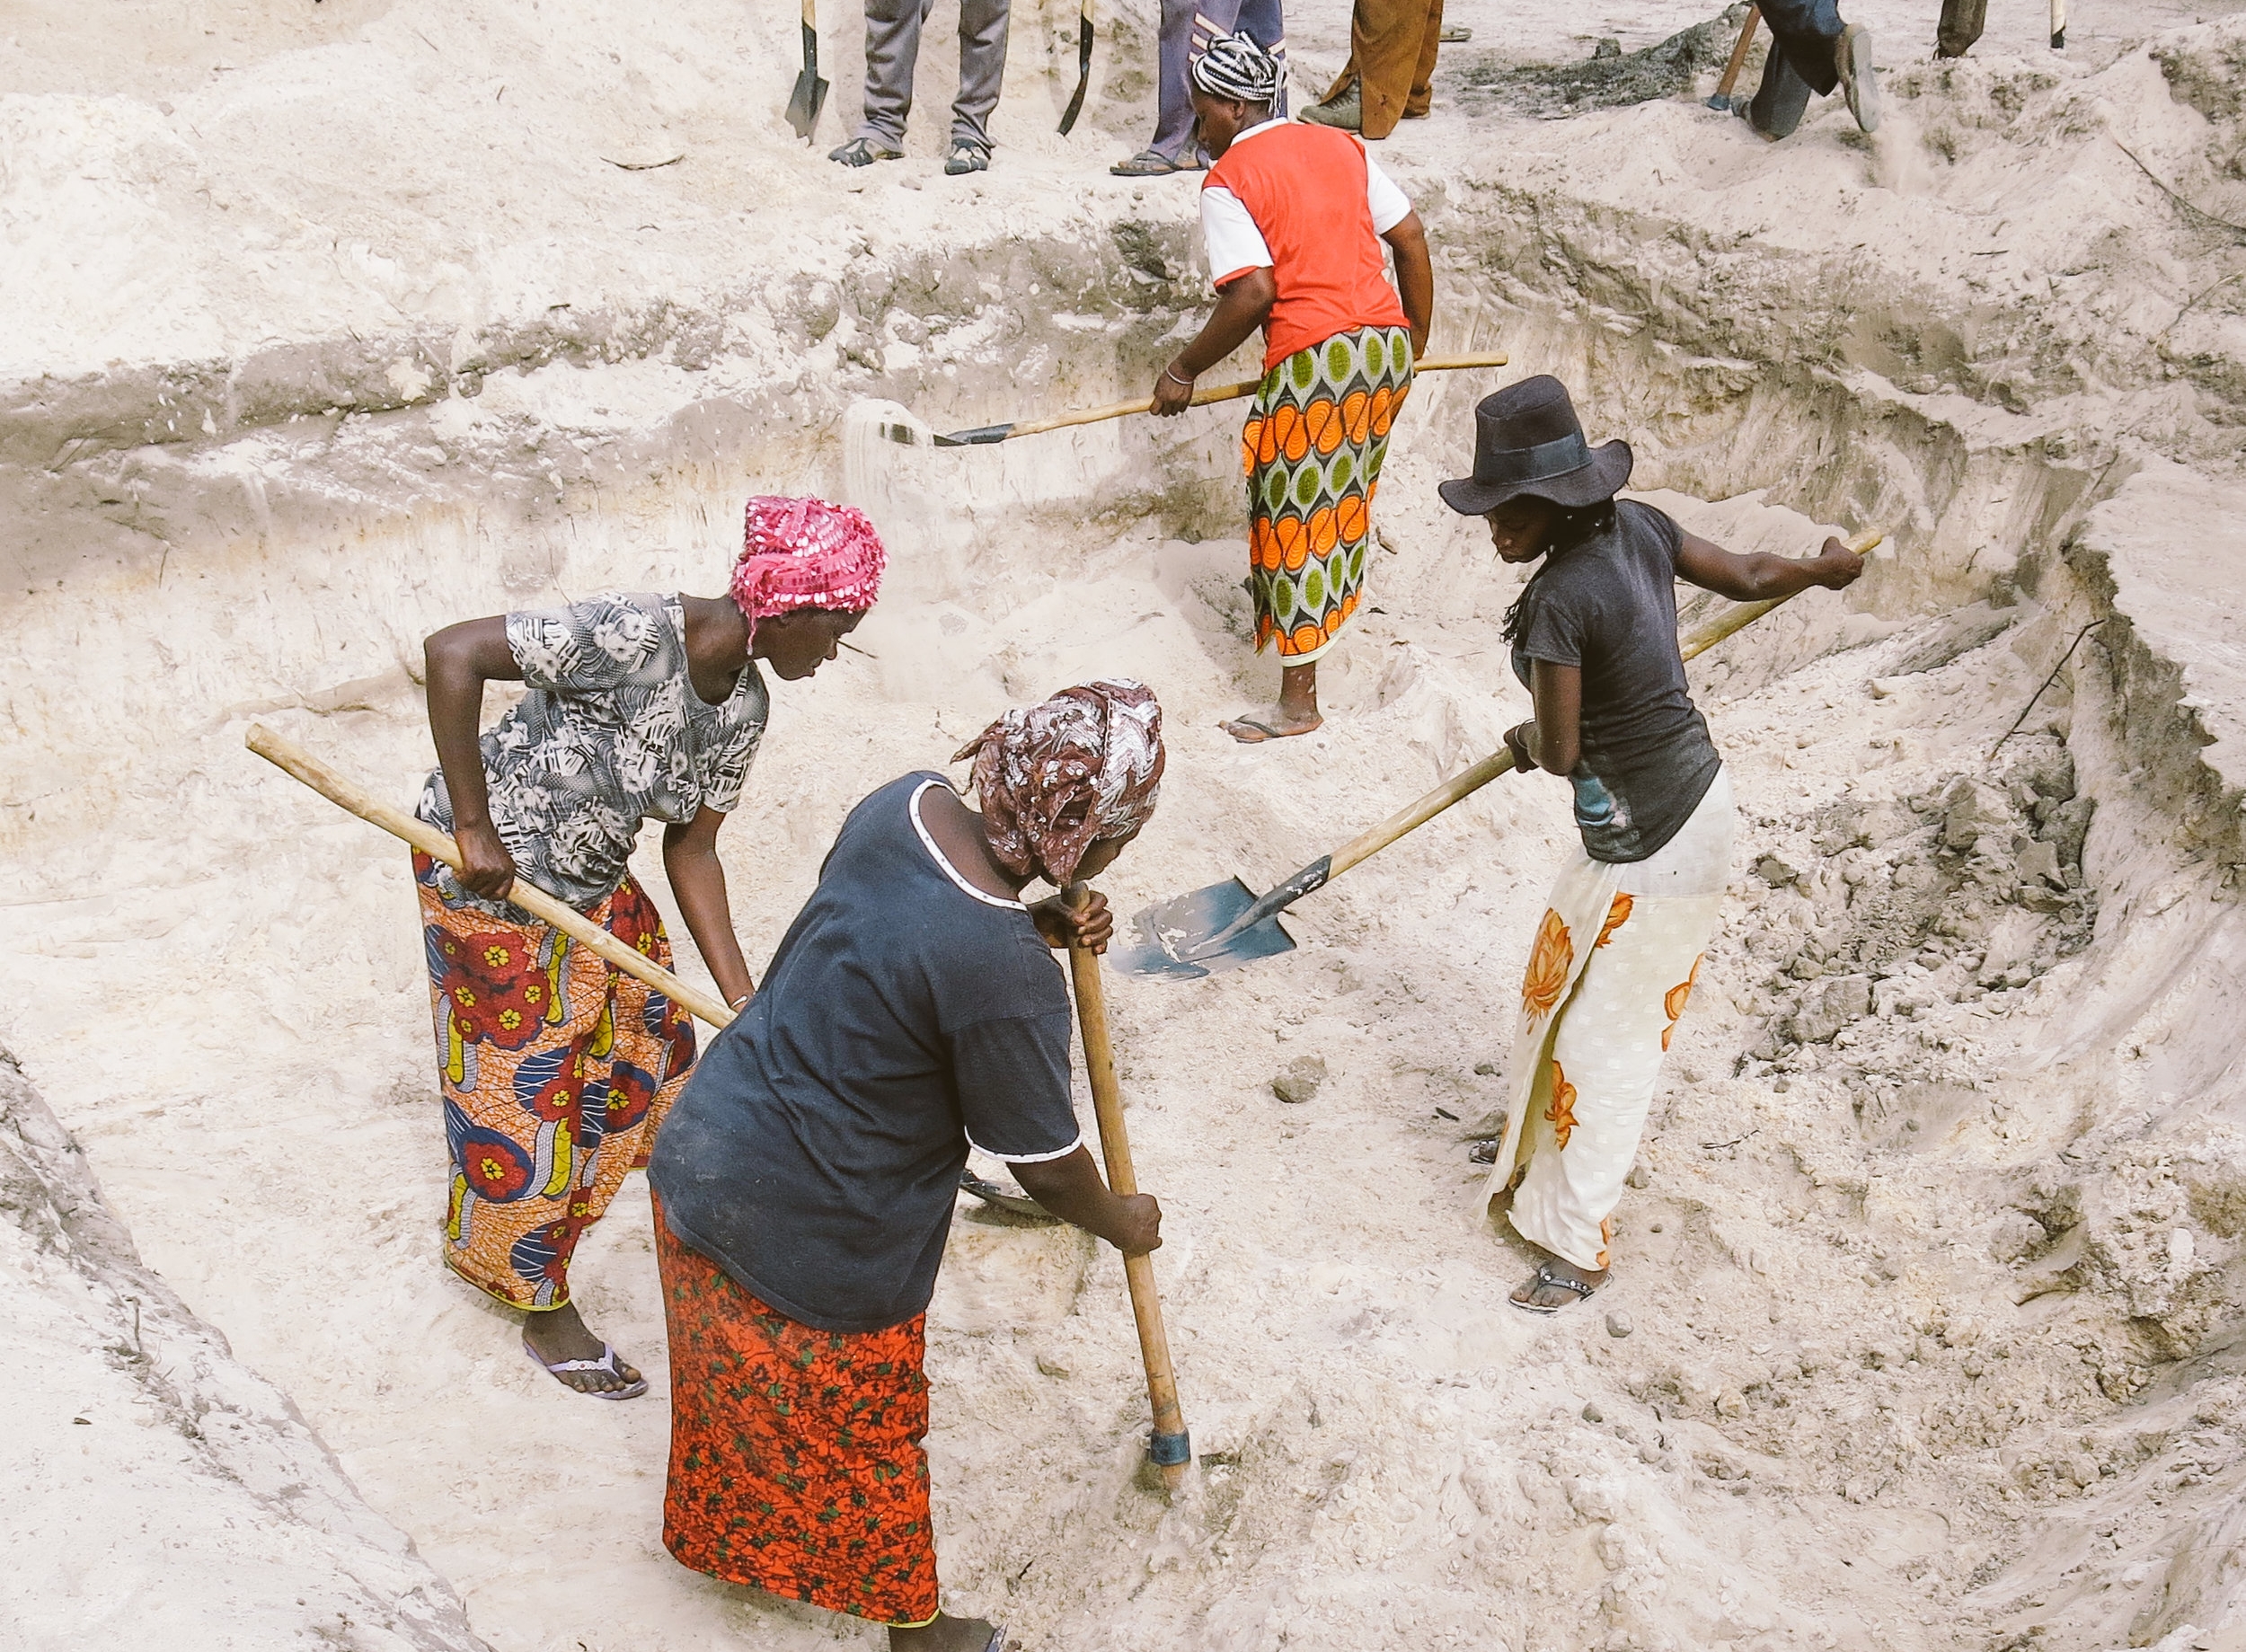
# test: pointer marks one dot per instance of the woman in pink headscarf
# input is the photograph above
(556, 1067)
(804, 1183)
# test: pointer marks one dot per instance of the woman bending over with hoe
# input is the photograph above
(1594, 640)
(804, 1183)
(556, 1066)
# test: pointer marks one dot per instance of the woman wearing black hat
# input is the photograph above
(1594, 640)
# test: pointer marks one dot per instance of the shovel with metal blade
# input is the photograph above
(810, 95)
(1227, 925)
(1084, 67)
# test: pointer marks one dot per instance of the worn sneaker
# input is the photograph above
(1859, 79)
(1346, 111)
(863, 151)
(967, 158)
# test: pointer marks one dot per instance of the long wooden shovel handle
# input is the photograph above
(1416, 814)
(1170, 1447)
(1698, 642)
(1202, 397)
(349, 794)
(1738, 60)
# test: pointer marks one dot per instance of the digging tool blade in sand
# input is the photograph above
(1169, 1448)
(984, 435)
(810, 95)
(1084, 67)
(1722, 98)
(349, 794)
(1223, 925)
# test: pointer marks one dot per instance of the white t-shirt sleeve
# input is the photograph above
(1390, 208)
(1236, 245)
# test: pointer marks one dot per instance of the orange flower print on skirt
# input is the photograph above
(1551, 966)
(1313, 447)
(1673, 1001)
(1560, 1114)
(1617, 915)
(555, 1069)
(796, 1463)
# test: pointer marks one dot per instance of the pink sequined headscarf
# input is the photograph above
(1098, 744)
(806, 554)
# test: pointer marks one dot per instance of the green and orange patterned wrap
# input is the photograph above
(556, 1067)
(1312, 448)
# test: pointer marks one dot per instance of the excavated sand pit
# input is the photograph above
(1931, 1275)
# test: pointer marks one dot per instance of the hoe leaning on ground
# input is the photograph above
(1169, 1448)
(1225, 924)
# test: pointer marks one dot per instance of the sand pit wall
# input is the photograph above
(1932, 1255)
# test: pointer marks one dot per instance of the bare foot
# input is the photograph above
(1558, 1283)
(1278, 726)
(948, 1634)
(557, 1334)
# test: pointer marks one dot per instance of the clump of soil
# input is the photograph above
(1611, 77)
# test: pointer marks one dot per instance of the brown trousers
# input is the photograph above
(1391, 55)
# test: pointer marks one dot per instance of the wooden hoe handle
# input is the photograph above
(349, 794)
(1170, 1448)
(1738, 60)
(1207, 393)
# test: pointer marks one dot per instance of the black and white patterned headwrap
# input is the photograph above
(1237, 67)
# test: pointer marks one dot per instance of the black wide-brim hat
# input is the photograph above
(1527, 440)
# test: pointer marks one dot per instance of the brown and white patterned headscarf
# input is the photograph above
(1096, 747)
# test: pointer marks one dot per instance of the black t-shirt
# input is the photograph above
(1608, 606)
(816, 1152)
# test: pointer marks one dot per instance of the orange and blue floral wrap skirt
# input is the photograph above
(1316, 436)
(557, 1068)
(796, 1459)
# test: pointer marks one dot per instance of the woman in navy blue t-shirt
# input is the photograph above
(805, 1178)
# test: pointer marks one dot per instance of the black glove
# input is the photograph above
(1516, 741)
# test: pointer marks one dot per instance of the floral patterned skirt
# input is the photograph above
(1610, 971)
(796, 1461)
(557, 1068)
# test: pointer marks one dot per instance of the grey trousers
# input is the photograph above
(1187, 27)
(893, 46)
(1962, 22)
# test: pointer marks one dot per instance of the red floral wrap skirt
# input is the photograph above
(796, 1459)
(557, 1068)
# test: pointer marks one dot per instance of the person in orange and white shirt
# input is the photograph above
(1294, 218)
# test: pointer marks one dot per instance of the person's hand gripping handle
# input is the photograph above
(1170, 1448)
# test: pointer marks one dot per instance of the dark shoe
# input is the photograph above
(1346, 111)
(1859, 79)
(967, 158)
(1147, 164)
(863, 151)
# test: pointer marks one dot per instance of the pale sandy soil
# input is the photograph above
(1929, 1348)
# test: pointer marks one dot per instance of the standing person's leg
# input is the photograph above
(1421, 100)
(892, 52)
(1187, 29)
(982, 68)
(1962, 22)
(1781, 101)
(1266, 22)
(1824, 52)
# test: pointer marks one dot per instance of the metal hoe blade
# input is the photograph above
(1083, 69)
(1188, 923)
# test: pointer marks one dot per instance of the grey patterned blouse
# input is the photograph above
(610, 734)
